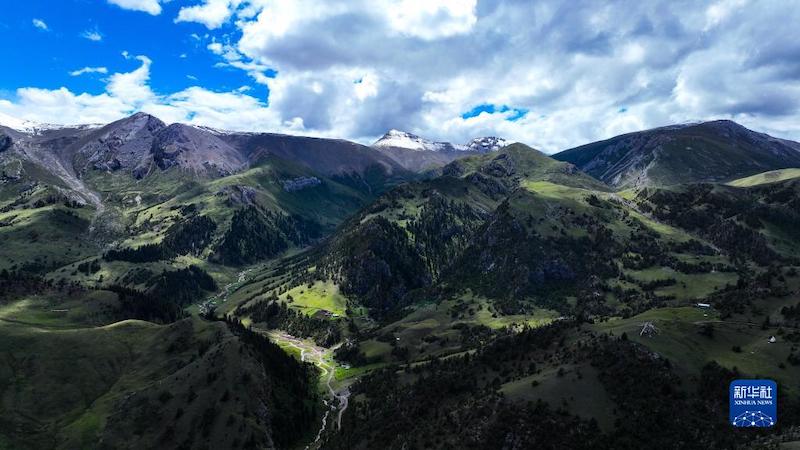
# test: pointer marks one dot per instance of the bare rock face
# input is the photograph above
(570, 169)
(238, 195)
(195, 150)
(141, 143)
(501, 166)
(300, 183)
(121, 145)
(5, 142)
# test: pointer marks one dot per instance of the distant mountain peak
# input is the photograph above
(33, 127)
(410, 141)
(486, 144)
(714, 151)
(402, 139)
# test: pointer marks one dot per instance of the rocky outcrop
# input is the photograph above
(121, 145)
(196, 150)
(5, 142)
(300, 183)
(238, 195)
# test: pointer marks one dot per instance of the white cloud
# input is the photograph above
(432, 19)
(54, 106)
(212, 13)
(132, 86)
(152, 7)
(720, 11)
(366, 87)
(39, 23)
(92, 35)
(583, 70)
(87, 69)
(216, 48)
(129, 92)
(232, 58)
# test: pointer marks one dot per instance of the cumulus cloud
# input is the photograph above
(87, 69)
(429, 19)
(152, 7)
(582, 70)
(128, 92)
(212, 13)
(39, 23)
(132, 86)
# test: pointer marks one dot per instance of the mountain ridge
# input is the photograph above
(419, 154)
(142, 144)
(713, 151)
(491, 291)
(402, 139)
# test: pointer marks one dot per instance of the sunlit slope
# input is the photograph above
(717, 151)
(772, 176)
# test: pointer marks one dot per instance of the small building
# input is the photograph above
(703, 305)
(772, 340)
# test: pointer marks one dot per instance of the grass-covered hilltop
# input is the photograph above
(170, 286)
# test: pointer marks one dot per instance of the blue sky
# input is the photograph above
(44, 58)
(550, 73)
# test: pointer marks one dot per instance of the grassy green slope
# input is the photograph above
(128, 384)
(772, 176)
(711, 151)
(520, 162)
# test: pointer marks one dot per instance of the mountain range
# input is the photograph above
(175, 286)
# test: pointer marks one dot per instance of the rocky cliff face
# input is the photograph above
(121, 145)
(5, 142)
(196, 150)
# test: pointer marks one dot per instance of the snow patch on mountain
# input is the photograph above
(409, 141)
(486, 144)
(31, 127)
(401, 139)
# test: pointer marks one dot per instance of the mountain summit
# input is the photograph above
(714, 151)
(417, 153)
(409, 141)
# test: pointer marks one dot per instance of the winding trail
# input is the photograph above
(322, 358)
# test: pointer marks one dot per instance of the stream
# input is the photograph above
(337, 401)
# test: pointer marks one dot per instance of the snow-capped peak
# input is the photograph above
(402, 139)
(26, 126)
(486, 144)
(31, 127)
